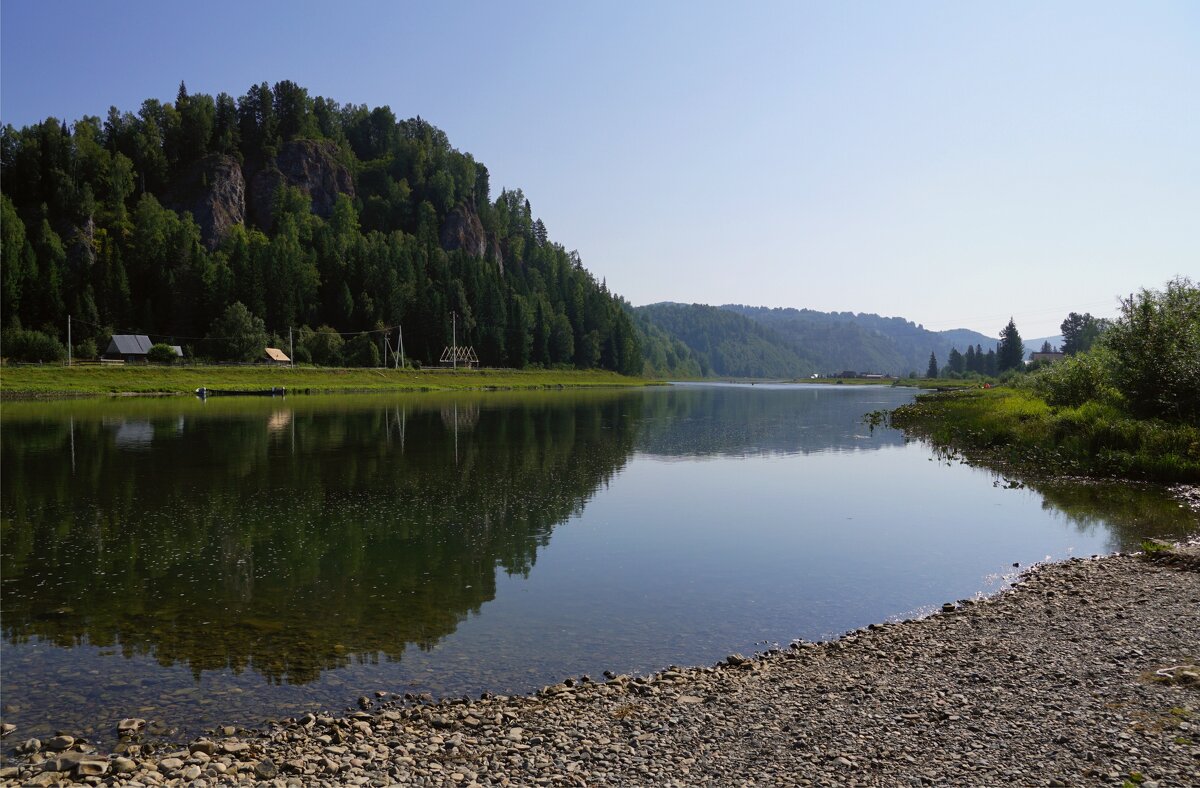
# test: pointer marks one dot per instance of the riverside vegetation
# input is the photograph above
(53, 381)
(1129, 407)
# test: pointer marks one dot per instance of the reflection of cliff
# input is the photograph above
(241, 543)
(690, 421)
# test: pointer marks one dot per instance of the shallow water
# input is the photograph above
(236, 560)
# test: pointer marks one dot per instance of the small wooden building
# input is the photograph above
(276, 357)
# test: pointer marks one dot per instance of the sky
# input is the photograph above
(952, 163)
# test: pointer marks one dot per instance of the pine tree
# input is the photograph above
(1010, 354)
(932, 371)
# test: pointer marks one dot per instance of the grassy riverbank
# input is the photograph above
(59, 381)
(1017, 428)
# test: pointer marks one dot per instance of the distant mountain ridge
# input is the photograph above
(792, 342)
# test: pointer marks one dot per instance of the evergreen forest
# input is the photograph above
(281, 211)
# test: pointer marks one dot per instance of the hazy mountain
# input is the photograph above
(862, 342)
(728, 344)
(798, 342)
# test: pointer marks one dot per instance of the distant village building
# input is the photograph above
(275, 357)
(1051, 357)
(132, 348)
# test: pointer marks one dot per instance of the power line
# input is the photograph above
(385, 330)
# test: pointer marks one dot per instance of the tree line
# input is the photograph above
(88, 231)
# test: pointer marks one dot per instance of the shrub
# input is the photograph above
(1155, 346)
(362, 352)
(1075, 380)
(161, 353)
(86, 349)
(18, 344)
(324, 345)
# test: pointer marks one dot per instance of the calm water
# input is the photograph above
(231, 561)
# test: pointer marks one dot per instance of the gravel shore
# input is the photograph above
(1083, 673)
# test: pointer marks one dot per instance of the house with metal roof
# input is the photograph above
(133, 347)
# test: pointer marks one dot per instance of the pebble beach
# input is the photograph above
(1082, 673)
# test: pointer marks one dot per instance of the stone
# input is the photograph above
(234, 747)
(265, 769)
(61, 742)
(6, 729)
(689, 699)
(130, 725)
(190, 772)
(312, 166)
(170, 764)
(122, 765)
(203, 745)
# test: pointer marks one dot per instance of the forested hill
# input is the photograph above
(727, 344)
(742, 341)
(317, 216)
(862, 341)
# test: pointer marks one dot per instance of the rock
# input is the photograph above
(170, 764)
(122, 765)
(62, 742)
(30, 746)
(515, 734)
(463, 230)
(234, 747)
(689, 699)
(736, 660)
(190, 772)
(130, 725)
(6, 729)
(309, 165)
(92, 766)
(265, 769)
(203, 745)
(213, 191)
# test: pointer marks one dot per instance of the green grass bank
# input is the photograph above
(61, 381)
(1016, 428)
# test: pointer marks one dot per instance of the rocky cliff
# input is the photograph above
(463, 229)
(310, 165)
(214, 192)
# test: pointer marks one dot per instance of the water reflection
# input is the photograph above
(288, 541)
(271, 554)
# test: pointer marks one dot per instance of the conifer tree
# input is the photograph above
(1010, 354)
(932, 371)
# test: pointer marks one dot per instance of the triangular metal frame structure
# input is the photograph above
(459, 355)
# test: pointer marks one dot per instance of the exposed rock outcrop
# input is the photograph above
(214, 192)
(463, 230)
(310, 165)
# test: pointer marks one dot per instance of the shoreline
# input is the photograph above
(1053, 681)
(37, 383)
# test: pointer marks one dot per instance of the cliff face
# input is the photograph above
(214, 192)
(464, 230)
(310, 165)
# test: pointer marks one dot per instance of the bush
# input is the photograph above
(324, 345)
(362, 352)
(1155, 347)
(86, 349)
(1075, 380)
(17, 344)
(161, 353)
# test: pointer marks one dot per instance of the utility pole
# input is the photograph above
(291, 349)
(400, 330)
(454, 359)
(69, 358)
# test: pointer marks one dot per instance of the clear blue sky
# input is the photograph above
(950, 162)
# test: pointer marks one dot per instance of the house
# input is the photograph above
(275, 357)
(132, 348)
